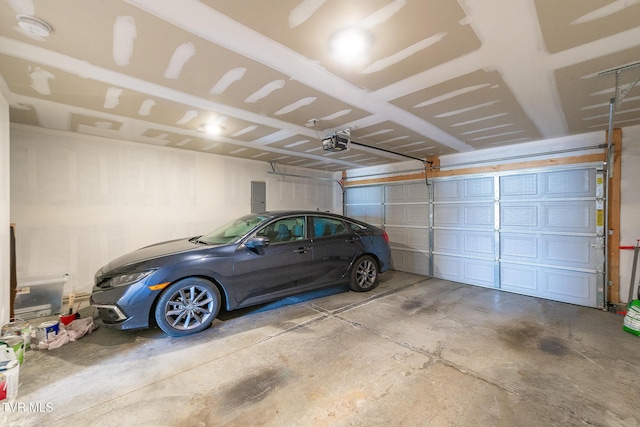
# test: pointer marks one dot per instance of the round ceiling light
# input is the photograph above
(350, 43)
(34, 26)
(212, 128)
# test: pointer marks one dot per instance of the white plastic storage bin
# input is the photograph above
(39, 297)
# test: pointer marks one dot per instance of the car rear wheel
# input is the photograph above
(364, 274)
(187, 306)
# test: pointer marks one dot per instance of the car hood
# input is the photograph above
(153, 252)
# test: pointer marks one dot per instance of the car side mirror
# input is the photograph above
(257, 242)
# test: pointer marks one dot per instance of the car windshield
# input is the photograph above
(233, 231)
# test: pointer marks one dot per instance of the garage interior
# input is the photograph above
(496, 142)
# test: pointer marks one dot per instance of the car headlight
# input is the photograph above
(127, 279)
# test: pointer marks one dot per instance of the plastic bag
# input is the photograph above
(632, 318)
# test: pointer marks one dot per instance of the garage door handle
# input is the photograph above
(302, 250)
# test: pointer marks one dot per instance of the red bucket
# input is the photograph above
(67, 318)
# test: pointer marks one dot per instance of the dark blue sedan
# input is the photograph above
(181, 284)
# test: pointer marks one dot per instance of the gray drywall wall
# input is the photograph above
(629, 208)
(81, 201)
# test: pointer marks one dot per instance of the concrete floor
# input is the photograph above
(415, 351)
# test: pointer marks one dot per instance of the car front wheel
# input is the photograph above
(364, 274)
(187, 306)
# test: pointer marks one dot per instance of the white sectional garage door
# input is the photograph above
(464, 239)
(535, 232)
(403, 211)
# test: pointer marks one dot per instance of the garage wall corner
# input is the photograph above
(4, 210)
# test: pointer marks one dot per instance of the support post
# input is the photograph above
(613, 216)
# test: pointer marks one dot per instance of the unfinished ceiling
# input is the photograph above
(440, 77)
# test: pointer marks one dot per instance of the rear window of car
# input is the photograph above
(324, 227)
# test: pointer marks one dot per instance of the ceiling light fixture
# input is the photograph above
(34, 26)
(212, 128)
(350, 43)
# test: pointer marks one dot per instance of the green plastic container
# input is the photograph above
(632, 319)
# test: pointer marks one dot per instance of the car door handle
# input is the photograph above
(352, 239)
(303, 250)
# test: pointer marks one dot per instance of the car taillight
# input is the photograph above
(385, 236)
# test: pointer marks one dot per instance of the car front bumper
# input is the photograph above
(125, 307)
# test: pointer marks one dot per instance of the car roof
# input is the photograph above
(281, 213)
(299, 212)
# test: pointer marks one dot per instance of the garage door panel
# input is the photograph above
(569, 284)
(448, 268)
(557, 250)
(356, 195)
(519, 186)
(478, 188)
(405, 237)
(479, 215)
(480, 272)
(578, 217)
(517, 216)
(410, 261)
(472, 215)
(464, 270)
(548, 185)
(447, 215)
(575, 216)
(576, 287)
(407, 215)
(371, 214)
(459, 242)
(519, 278)
(570, 183)
(464, 189)
(412, 192)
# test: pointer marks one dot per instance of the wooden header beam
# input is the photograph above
(434, 172)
